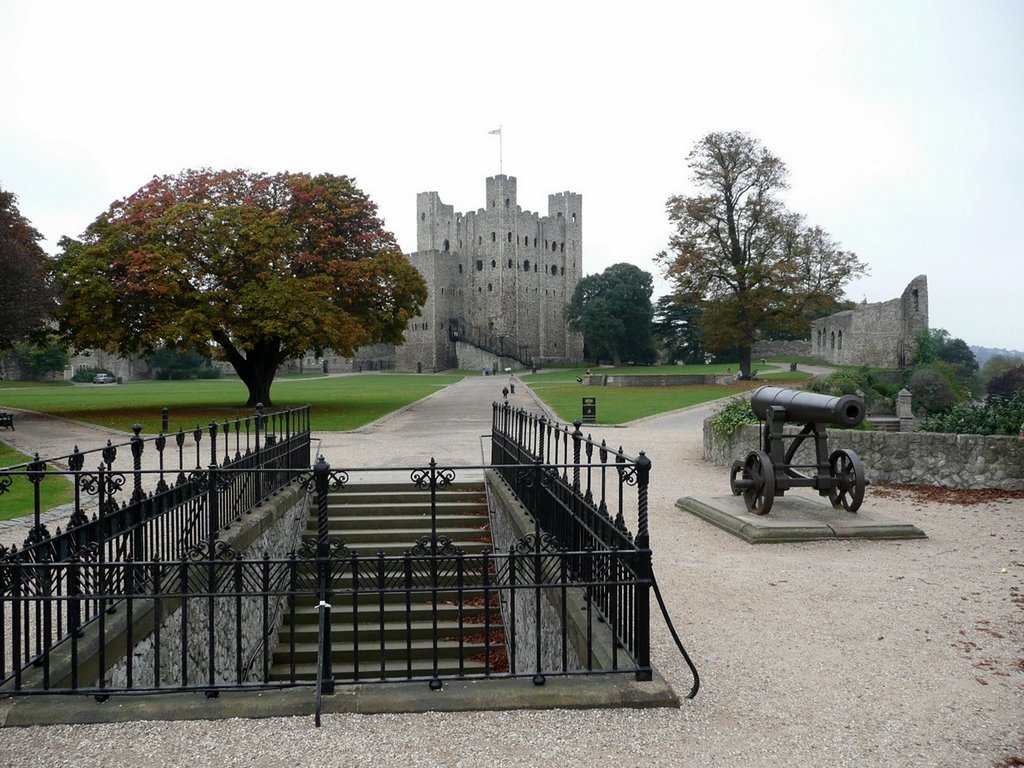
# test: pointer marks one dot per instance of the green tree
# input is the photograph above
(754, 266)
(25, 299)
(1007, 384)
(613, 312)
(937, 348)
(43, 355)
(175, 364)
(675, 328)
(265, 266)
(997, 365)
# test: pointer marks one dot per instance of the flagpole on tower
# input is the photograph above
(500, 160)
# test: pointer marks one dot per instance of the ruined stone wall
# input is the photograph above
(880, 334)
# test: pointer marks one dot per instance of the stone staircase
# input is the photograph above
(393, 632)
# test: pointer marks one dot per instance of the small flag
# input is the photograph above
(495, 131)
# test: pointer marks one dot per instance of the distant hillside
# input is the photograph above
(982, 354)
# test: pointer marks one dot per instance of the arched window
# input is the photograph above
(574, 218)
(479, 265)
(554, 270)
(554, 246)
(510, 237)
(840, 341)
(490, 287)
(460, 269)
(526, 266)
(510, 263)
(493, 263)
(507, 202)
(494, 237)
(423, 217)
(916, 300)
(833, 340)
(446, 245)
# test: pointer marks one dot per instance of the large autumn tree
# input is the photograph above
(25, 297)
(257, 268)
(754, 267)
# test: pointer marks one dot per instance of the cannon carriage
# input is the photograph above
(771, 471)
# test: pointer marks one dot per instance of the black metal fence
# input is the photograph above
(143, 597)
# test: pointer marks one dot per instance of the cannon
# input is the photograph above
(770, 471)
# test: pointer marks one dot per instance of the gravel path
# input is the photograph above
(818, 654)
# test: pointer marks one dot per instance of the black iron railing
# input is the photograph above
(58, 583)
(571, 596)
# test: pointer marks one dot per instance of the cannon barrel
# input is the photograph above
(845, 411)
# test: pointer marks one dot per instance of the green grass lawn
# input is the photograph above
(618, 405)
(341, 402)
(19, 497)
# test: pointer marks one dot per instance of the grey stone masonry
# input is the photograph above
(926, 458)
(500, 272)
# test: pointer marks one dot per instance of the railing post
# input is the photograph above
(137, 444)
(577, 439)
(259, 462)
(164, 420)
(642, 619)
(321, 478)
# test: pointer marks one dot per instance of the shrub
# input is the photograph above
(1007, 384)
(86, 374)
(932, 390)
(995, 416)
(211, 372)
(733, 414)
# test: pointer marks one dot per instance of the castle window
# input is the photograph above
(510, 263)
(506, 202)
(840, 341)
(574, 218)
(510, 237)
(562, 247)
(833, 339)
(493, 263)
(535, 242)
(554, 270)
(479, 289)
(494, 237)
(460, 269)
(479, 265)
(479, 240)
(559, 214)
(545, 244)
(490, 287)
(423, 217)
(534, 267)
(424, 326)
(460, 245)
(916, 300)
(446, 245)
(562, 270)
(554, 246)
(526, 266)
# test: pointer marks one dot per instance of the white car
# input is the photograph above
(103, 378)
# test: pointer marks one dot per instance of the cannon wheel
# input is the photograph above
(848, 472)
(734, 470)
(761, 492)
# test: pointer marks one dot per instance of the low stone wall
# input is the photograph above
(655, 379)
(275, 530)
(925, 458)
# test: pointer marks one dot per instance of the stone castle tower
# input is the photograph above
(499, 279)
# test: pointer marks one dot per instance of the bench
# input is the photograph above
(7, 420)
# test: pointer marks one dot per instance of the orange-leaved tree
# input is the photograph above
(253, 267)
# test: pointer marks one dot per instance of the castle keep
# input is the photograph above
(499, 279)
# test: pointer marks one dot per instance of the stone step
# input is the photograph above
(369, 653)
(421, 598)
(393, 631)
(420, 668)
(388, 520)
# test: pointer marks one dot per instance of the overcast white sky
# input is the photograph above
(901, 121)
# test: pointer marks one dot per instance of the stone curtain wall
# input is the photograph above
(801, 348)
(926, 458)
(277, 534)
